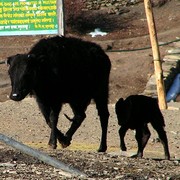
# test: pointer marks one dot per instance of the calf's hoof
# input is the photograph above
(167, 157)
(137, 155)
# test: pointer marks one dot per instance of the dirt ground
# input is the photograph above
(129, 74)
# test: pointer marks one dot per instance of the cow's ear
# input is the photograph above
(9, 60)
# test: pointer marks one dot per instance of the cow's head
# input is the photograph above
(21, 72)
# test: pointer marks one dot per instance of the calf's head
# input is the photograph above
(123, 110)
(21, 72)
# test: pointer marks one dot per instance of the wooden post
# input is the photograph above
(156, 55)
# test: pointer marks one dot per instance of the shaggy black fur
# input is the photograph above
(135, 113)
(61, 70)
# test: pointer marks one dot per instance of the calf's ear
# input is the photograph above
(120, 101)
(119, 104)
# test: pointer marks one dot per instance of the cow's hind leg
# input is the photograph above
(79, 116)
(102, 108)
(142, 136)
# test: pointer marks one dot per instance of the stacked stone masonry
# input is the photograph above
(170, 67)
(101, 4)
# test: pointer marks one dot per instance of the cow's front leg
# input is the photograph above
(54, 131)
(51, 116)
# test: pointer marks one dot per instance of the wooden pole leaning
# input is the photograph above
(156, 55)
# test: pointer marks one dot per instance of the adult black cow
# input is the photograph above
(61, 70)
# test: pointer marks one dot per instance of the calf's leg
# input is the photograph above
(142, 136)
(122, 133)
(162, 135)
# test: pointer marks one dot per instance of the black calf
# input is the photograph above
(135, 113)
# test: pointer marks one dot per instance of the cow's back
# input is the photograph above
(79, 67)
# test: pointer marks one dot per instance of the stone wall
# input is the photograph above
(170, 66)
(101, 4)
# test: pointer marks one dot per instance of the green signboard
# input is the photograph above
(28, 17)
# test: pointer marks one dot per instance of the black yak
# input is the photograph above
(61, 70)
(135, 112)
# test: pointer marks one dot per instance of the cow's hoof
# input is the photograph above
(123, 148)
(102, 149)
(52, 146)
(65, 143)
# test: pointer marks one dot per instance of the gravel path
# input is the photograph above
(23, 122)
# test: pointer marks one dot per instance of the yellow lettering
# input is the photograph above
(7, 9)
(49, 2)
(35, 20)
(3, 22)
(14, 21)
(41, 15)
(22, 3)
(8, 15)
(16, 3)
(16, 8)
(49, 26)
(52, 14)
(16, 15)
(46, 20)
(7, 4)
(47, 8)
(32, 8)
(29, 15)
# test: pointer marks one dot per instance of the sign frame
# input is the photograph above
(31, 17)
